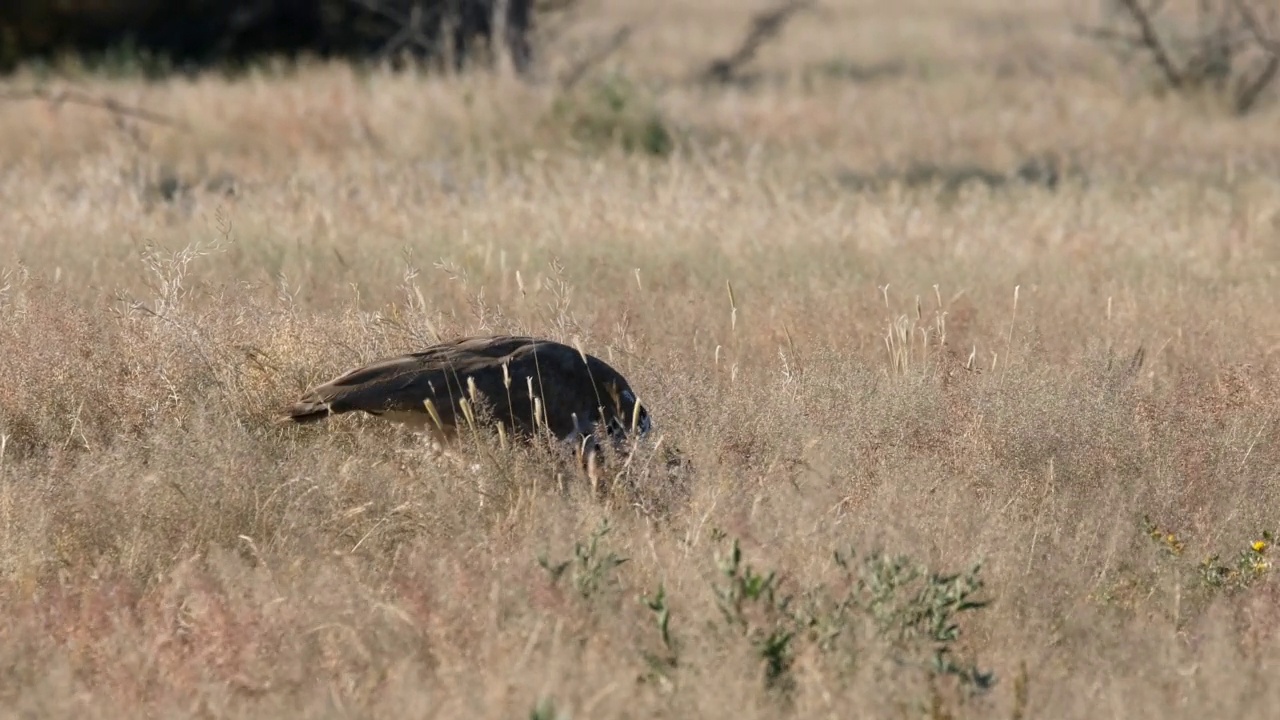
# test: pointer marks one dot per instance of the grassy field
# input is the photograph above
(1003, 448)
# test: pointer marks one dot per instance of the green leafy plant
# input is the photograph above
(915, 607)
(613, 111)
(591, 566)
(918, 611)
(545, 709)
(661, 665)
(750, 602)
(1249, 565)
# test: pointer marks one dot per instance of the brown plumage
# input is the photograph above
(514, 377)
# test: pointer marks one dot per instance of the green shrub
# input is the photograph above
(614, 112)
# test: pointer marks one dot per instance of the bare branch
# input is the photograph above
(1151, 40)
(111, 105)
(1108, 35)
(1249, 94)
(595, 57)
(411, 26)
(1254, 26)
(764, 26)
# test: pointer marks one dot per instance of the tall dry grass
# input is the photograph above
(918, 399)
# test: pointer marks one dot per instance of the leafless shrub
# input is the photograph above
(1231, 47)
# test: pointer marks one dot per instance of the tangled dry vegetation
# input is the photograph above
(952, 449)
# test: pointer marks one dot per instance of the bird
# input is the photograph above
(527, 384)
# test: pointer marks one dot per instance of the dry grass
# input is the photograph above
(165, 551)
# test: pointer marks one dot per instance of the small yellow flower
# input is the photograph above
(1259, 546)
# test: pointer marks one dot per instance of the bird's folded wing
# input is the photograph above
(395, 384)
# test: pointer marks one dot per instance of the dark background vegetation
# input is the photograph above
(190, 34)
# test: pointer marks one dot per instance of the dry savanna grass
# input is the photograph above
(922, 447)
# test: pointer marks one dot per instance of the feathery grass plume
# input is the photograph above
(1009, 337)
(733, 307)
(430, 405)
(468, 414)
(635, 415)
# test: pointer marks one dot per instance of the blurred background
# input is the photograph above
(1230, 47)
(187, 34)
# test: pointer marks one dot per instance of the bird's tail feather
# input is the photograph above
(305, 411)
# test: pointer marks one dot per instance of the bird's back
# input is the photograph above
(509, 372)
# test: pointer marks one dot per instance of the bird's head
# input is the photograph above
(632, 417)
(619, 416)
(616, 412)
(623, 414)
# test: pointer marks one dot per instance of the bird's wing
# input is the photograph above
(377, 387)
(405, 382)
